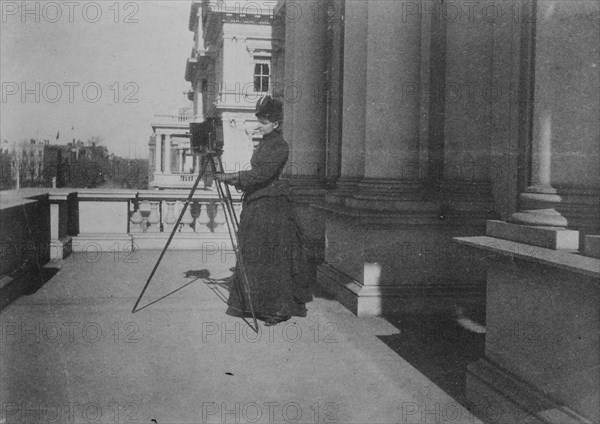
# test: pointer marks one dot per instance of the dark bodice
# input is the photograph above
(267, 163)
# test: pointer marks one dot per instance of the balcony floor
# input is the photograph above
(72, 352)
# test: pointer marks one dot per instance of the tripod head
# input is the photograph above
(206, 138)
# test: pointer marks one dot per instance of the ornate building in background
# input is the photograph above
(230, 68)
(172, 164)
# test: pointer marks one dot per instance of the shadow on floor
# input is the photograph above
(439, 347)
(23, 283)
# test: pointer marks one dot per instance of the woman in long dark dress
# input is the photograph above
(269, 239)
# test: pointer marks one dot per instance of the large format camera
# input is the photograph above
(206, 138)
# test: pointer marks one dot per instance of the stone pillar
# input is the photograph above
(392, 122)
(158, 153)
(392, 162)
(355, 91)
(304, 127)
(181, 162)
(167, 169)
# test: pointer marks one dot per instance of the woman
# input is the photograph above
(269, 239)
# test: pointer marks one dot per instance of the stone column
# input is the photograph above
(158, 153)
(304, 126)
(355, 91)
(536, 198)
(181, 163)
(392, 122)
(167, 169)
(565, 171)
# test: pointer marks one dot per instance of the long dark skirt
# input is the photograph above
(276, 264)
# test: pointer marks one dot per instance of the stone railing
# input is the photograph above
(95, 220)
(175, 118)
(175, 180)
(187, 178)
(145, 219)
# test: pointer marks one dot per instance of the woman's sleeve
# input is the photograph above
(266, 163)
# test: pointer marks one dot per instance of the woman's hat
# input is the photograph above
(269, 108)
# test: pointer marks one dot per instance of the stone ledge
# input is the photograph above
(408, 216)
(592, 246)
(556, 238)
(553, 258)
(105, 195)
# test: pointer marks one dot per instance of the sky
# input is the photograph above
(80, 69)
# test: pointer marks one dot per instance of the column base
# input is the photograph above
(556, 238)
(539, 217)
(377, 300)
(61, 248)
(496, 396)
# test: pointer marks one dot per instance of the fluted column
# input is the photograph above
(167, 169)
(158, 153)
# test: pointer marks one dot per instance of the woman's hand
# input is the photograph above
(230, 178)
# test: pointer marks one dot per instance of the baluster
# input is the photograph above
(187, 220)
(203, 220)
(195, 211)
(219, 220)
(154, 218)
(170, 218)
(144, 209)
(136, 219)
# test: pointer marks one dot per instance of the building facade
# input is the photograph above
(446, 154)
(25, 161)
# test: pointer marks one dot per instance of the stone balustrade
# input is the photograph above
(159, 216)
(95, 220)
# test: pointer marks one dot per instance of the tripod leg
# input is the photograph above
(187, 202)
(235, 219)
(232, 226)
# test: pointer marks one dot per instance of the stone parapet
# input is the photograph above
(541, 349)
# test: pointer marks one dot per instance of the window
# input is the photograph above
(261, 76)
